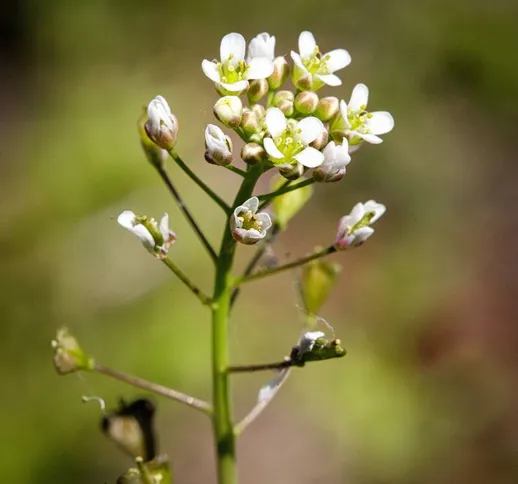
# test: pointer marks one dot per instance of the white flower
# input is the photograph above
(156, 237)
(354, 229)
(290, 139)
(307, 341)
(232, 73)
(262, 45)
(162, 124)
(312, 69)
(249, 227)
(357, 123)
(336, 158)
(218, 146)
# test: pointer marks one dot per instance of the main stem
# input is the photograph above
(223, 284)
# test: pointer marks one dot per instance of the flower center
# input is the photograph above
(287, 143)
(357, 119)
(250, 221)
(231, 71)
(316, 64)
(151, 225)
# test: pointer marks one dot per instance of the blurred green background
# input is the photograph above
(427, 309)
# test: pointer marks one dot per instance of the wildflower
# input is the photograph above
(218, 146)
(262, 45)
(354, 229)
(336, 158)
(232, 73)
(290, 139)
(69, 357)
(248, 226)
(156, 237)
(356, 123)
(312, 70)
(162, 125)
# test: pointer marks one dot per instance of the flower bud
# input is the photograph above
(282, 96)
(281, 70)
(257, 90)
(259, 111)
(306, 102)
(229, 110)
(287, 108)
(336, 159)
(327, 108)
(218, 146)
(321, 140)
(250, 122)
(69, 357)
(301, 79)
(162, 125)
(291, 171)
(286, 206)
(313, 346)
(317, 281)
(155, 155)
(253, 153)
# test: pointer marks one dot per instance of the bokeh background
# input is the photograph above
(427, 309)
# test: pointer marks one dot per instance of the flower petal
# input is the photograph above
(298, 61)
(357, 213)
(163, 226)
(262, 45)
(310, 128)
(370, 138)
(259, 68)
(337, 59)
(127, 219)
(342, 153)
(307, 44)
(359, 97)
(233, 44)
(210, 69)
(264, 219)
(145, 237)
(310, 157)
(275, 122)
(239, 86)
(378, 208)
(381, 122)
(343, 112)
(330, 79)
(251, 204)
(272, 150)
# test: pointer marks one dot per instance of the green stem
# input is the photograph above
(236, 170)
(268, 197)
(222, 417)
(195, 289)
(155, 388)
(278, 365)
(256, 258)
(219, 201)
(291, 265)
(165, 177)
(269, 99)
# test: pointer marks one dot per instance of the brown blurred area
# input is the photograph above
(427, 309)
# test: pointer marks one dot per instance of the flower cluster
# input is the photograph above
(293, 132)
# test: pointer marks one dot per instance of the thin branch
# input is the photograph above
(278, 365)
(155, 388)
(165, 177)
(266, 198)
(276, 270)
(219, 201)
(262, 404)
(195, 289)
(256, 258)
(236, 170)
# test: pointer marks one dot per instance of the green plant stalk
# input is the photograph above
(276, 270)
(196, 179)
(194, 289)
(267, 198)
(223, 285)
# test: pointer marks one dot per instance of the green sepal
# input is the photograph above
(322, 349)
